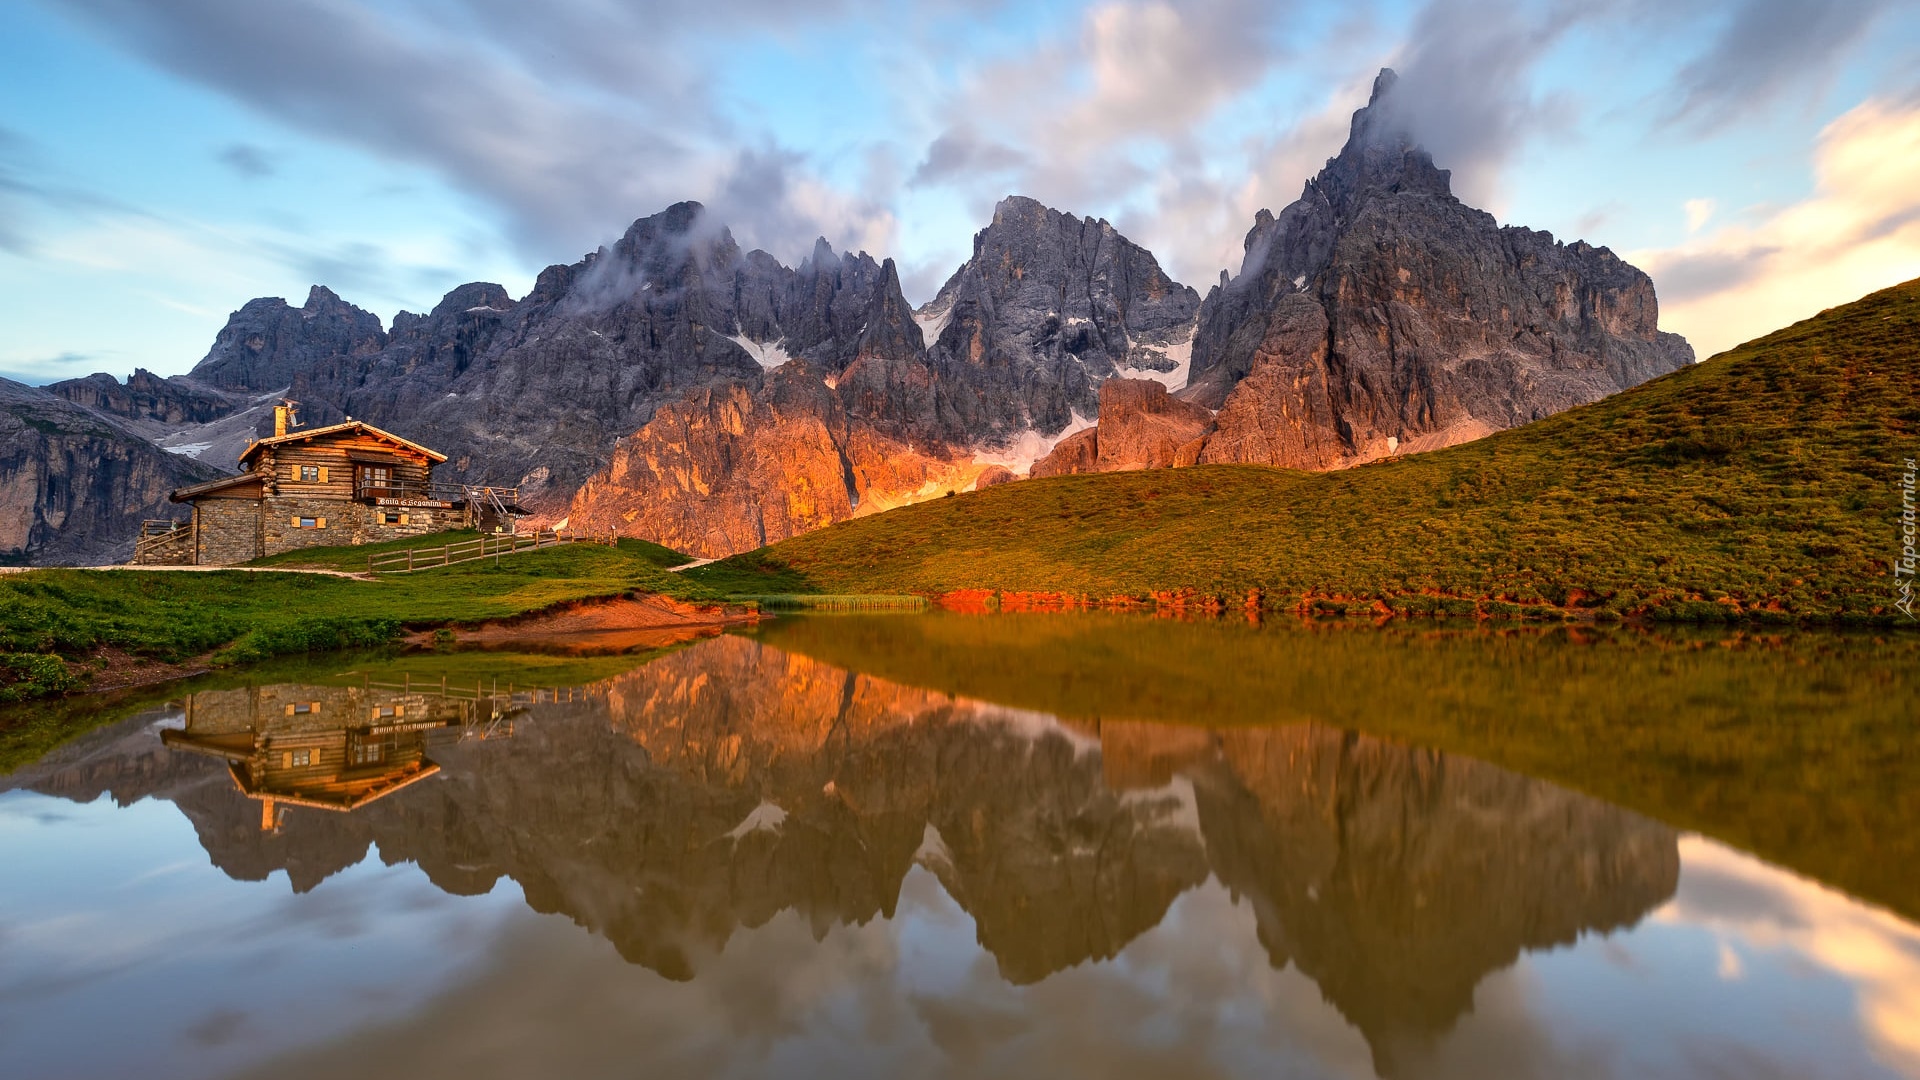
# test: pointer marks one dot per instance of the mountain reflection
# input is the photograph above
(725, 783)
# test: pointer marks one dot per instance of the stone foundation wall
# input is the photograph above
(226, 531)
(420, 521)
(347, 523)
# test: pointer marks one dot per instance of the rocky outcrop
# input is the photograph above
(731, 468)
(1380, 314)
(1049, 307)
(268, 342)
(1141, 427)
(175, 402)
(79, 481)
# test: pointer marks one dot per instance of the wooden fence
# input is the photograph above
(486, 547)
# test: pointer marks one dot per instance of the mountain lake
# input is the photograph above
(949, 845)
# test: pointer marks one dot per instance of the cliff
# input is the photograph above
(1379, 314)
(78, 481)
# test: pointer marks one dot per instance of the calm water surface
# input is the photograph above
(1010, 846)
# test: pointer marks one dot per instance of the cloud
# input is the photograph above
(1699, 212)
(1859, 231)
(961, 153)
(66, 365)
(1765, 49)
(769, 200)
(573, 118)
(247, 160)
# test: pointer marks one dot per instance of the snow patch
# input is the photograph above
(192, 449)
(1300, 282)
(483, 308)
(1022, 450)
(766, 817)
(1182, 357)
(931, 324)
(768, 356)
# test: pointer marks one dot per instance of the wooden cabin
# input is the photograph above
(348, 483)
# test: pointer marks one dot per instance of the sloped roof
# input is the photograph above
(194, 491)
(338, 429)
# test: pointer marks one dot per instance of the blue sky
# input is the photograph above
(163, 161)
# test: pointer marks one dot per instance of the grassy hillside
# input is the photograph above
(353, 558)
(240, 616)
(1798, 745)
(1760, 484)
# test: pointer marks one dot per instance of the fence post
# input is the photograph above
(409, 560)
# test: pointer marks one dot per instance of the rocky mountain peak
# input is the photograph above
(267, 342)
(1049, 306)
(474, 294)
(663, 246)
(1379, 314)
(1380, 155)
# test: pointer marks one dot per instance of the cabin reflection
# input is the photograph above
(339, 748)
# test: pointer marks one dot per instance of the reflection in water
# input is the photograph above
(733, 787)
(337, 748)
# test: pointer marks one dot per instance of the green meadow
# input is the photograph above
(230, 617)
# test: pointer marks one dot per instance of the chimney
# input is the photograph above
(284, 416)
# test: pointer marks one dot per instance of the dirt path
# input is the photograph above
(199, 570)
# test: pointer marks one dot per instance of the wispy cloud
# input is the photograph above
(247, 160)
(1859, 231)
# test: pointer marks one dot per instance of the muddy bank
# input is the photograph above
(635, 612)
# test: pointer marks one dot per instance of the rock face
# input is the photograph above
(1380, 314)
(266, 343)
(866, 415)
(1049, 307)
(78, 481)
(731, 468)
(1141, 427)
(147, 397)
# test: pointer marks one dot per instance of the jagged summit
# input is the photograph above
(1381, 155)
(1379, 314)
(1048, 307)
